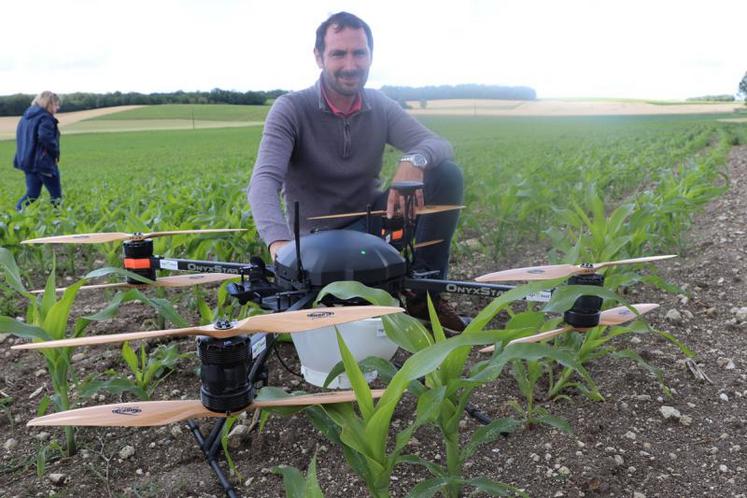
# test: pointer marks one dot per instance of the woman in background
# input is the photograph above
(38, 149)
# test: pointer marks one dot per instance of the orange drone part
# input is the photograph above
(137, 263)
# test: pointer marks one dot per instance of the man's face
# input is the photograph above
(345, 60)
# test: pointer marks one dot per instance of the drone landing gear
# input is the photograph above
(229, 370)
(211, 447)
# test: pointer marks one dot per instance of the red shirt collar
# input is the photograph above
(356, 107)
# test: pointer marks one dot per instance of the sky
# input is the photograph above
(651, 49)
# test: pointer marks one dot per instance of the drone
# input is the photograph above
(233, 354)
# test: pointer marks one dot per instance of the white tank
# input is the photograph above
(319, 353)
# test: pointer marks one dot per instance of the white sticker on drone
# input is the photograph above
(258, 347)
(539, 297)
(169, 264)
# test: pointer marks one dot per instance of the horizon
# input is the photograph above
(578, 49)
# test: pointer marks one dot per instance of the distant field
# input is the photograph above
(118, 125)
(519, 171)
(156, 117)
(187, 116)
(568, 107)
(206, 112)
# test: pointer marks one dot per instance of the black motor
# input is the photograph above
(334, 255)
(137, 259)
(225, 373)
(585, 311)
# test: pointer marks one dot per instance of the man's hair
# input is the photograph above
(45, 99)
(338, 22)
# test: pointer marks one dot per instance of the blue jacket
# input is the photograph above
(37, 142)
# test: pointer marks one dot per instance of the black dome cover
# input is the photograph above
(335, 255)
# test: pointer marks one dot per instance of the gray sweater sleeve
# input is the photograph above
(269, 172)
(409, 136)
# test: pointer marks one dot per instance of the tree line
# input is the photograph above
(712, 98)
(466, 91)
(15, 105)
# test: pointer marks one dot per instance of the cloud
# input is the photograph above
(570, 48)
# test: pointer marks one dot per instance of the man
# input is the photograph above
(323, 147)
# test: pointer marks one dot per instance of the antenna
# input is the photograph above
(407, 189)
(297, 237)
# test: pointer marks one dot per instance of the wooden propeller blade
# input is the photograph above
(153, 413)
(95, 238)
(542, 336)
(147, 413)
(380, 212)
(81, 238)
(437, 209)
(549, 272)
(170, 282)
(612, 316)
(599, 266)
(324, 398)
(183, 232)
(428, 243)
(621, 314)
(277, 323)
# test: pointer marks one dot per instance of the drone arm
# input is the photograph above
(160, 263)
(435, 286)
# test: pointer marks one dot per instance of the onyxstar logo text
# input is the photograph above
(127, 410)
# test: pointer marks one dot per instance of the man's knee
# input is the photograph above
(447, 177)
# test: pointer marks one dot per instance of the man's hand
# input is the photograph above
(275, 247)
(396, 202)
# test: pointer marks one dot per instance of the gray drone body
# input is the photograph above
(335, 255)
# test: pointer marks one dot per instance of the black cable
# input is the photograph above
(286, 366)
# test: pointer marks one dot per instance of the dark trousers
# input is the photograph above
(34, 182)
(444, 184)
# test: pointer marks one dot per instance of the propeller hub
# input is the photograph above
(223, 324)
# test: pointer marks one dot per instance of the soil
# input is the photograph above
(623, 446)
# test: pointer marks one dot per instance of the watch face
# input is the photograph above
(417, 160)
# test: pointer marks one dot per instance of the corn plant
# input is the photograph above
(225, 306)
(165, 311)
(527, 373)
(363, 434)
(147, 369)
(458, 389)
(5, 403)
(46, 319)
(594, 344)
(225, 431)
(442, 396)
(298, 486)
(45, 454)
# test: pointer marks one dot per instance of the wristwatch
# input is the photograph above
(417, 160)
